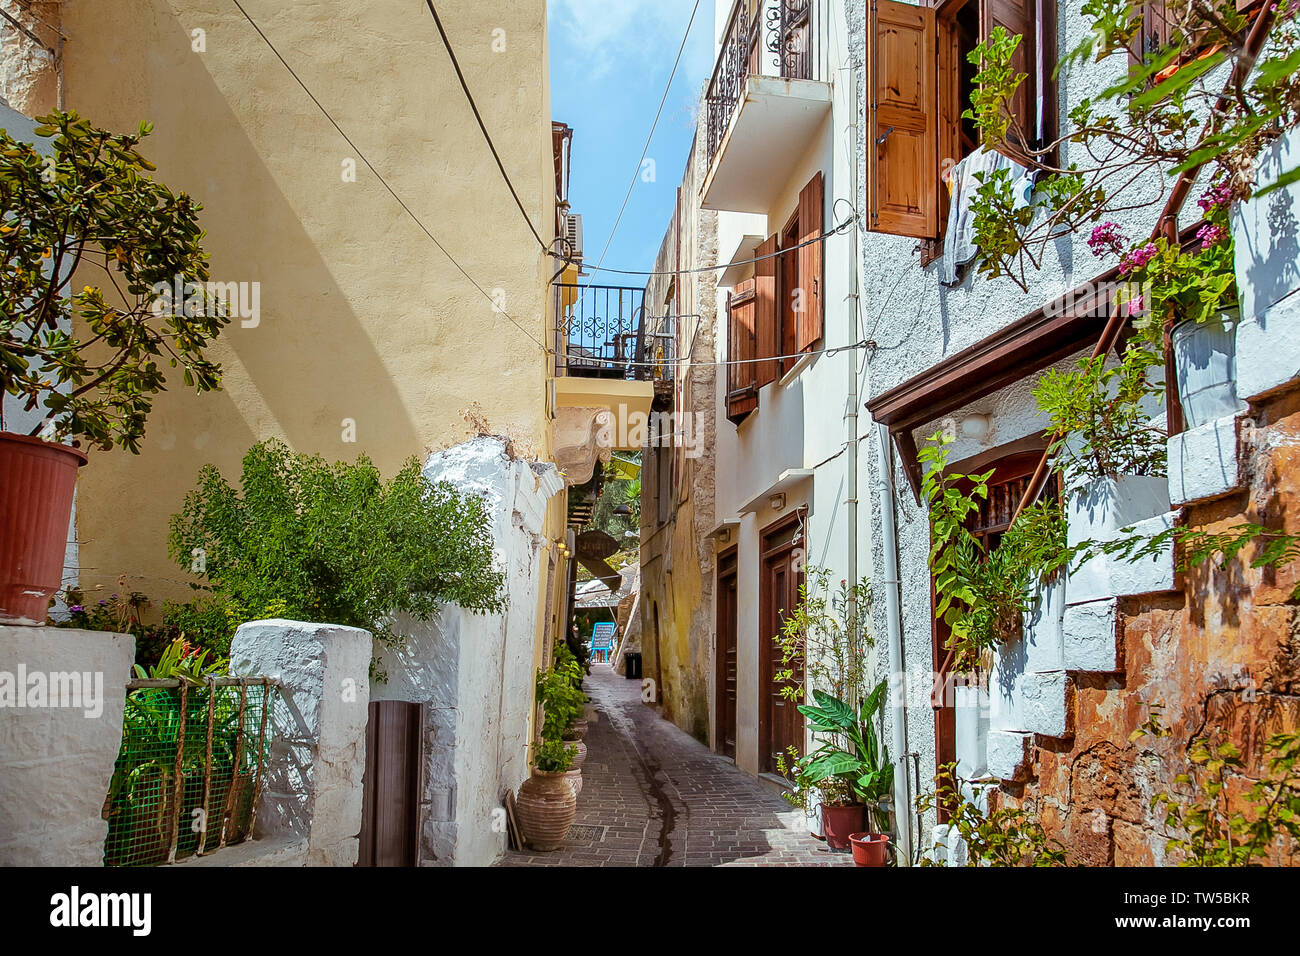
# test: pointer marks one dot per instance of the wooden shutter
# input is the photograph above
(742, 393)
(1034, 103)
(808, 322)
(765, 314)
(902, 152)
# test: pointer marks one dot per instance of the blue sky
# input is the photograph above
(610, 60)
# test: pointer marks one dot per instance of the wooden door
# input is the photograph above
(780, 725)
(726, 656)
(390, 823)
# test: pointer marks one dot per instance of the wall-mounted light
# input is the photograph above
(977, 426)
(724, 535)
(777, 501)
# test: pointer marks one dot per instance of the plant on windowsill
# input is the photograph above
(86, 363)
(982, 596)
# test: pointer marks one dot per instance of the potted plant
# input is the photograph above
(1195, 290)
(851, 769)
(546, 803)
(84, 364)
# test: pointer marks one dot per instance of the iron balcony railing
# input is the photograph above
(600, 331)
(781, 31)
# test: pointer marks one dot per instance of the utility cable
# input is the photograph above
(646, 148)
(487, 136)
(384, 182)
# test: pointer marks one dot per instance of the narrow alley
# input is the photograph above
(652, 795)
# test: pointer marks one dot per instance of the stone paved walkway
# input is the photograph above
(652, 795)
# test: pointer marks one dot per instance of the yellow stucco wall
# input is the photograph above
(362, 317)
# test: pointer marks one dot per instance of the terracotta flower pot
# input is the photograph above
(840, 821)
(37, 480)
(580, 754)
(578, 731)
(870, 849)
(545, 807)
(574, 777)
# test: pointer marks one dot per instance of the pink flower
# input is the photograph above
(1220, 194)
(1106, 239)
(1210, 234)
(1136, 306)
(1138, 258)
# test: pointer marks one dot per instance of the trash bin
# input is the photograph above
(632, 665)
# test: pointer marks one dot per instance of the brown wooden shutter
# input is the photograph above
(812, 221)
(1016, 17)
(902, 152)
(950, 109)
(742, 392)
(765, 314)
(1034, 104)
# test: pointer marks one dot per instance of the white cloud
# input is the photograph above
(605, 32)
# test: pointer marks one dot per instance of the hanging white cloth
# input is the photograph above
(959, 240)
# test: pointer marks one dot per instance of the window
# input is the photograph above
(779, 311)
(919, 82)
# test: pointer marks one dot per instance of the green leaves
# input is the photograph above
(89, 355)
(334, 542)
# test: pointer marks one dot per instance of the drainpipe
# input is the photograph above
(851, 412)
(894, 625)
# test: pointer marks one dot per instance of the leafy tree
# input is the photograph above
(93, 357)
(335, 542)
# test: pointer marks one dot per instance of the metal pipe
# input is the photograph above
(894, 625)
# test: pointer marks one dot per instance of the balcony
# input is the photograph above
(607, 356)
(764, 103)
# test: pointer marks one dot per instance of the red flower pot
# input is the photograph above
(870, 849)
(839, 822)
(37, 480)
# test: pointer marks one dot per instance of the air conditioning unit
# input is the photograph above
(573, 233)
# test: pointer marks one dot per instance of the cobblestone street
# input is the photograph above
(654, 796)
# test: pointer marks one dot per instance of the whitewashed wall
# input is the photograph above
(916, 323)
(474, 672)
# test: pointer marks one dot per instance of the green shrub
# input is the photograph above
(335, 543)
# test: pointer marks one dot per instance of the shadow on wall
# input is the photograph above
(309, 362)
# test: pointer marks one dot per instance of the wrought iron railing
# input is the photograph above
(190, 769)
(780, 31)
(600, 331)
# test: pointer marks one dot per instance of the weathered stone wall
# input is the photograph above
(677, 556)
(1216, 655)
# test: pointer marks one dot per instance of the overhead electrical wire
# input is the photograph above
(837, 230)
(384, 182)
(646, 148)
(482, 127)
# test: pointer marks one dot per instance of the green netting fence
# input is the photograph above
(190, 769)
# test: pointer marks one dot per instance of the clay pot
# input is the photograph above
(870, 849)
(580, 754)
(545, 806)
(578, 731)
(37, 481)
(840, 821)
(574, 777)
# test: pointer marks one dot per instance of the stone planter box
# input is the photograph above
(1092, 637)
(1204, 463)
(972, 719)
(1267, 254)
(1101, 512)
